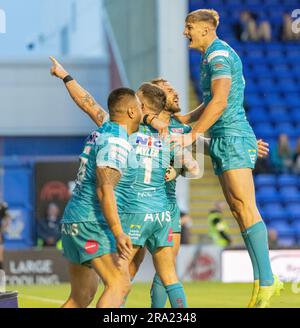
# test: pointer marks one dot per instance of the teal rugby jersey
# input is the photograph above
(108, 146)
(148, 193)
(220, 60)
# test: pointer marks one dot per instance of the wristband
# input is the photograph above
(145, 118)
(154, 116)
(116, 230)
(67, 79)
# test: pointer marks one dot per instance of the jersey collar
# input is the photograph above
(211, 44)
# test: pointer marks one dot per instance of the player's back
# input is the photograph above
(108, 146)
(148, 193)
(221, 61)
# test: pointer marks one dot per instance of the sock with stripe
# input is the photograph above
(176, 295)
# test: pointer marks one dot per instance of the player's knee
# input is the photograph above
(120, 285)
(238, 207)
(169, 278)
(82, 299)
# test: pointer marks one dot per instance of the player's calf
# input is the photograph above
(114, 273)
(163, 259)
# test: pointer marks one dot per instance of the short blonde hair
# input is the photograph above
(204, 15)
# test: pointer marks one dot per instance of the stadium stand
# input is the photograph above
(271, 71)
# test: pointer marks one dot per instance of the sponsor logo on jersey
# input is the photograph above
(133, 226)
(70, 229)
(135, 232)
(158, 217)
(218, 65)
(91, 246)
(177, 130)
(92, 138)
(148, 141)
(252, 155)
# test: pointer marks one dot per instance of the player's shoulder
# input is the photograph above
(177, 127)
(220, 49)
(112, 133)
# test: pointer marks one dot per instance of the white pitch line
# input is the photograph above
(41, 299)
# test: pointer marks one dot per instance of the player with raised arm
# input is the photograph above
(86, 102)
(169, 116)
(92, 233)
(233, 146)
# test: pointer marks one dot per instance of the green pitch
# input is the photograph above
(199, 295)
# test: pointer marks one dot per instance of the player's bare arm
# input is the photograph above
(107, 179)
(81, 97)
(211, 113)
(192, 116)
(216, 107)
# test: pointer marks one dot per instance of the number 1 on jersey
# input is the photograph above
(148, 169)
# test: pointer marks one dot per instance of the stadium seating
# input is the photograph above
(271, 99)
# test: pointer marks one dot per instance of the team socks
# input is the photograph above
(252, 256)
(158, 293)
(176, 295)
(258, 240)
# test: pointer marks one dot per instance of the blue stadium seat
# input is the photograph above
(278, 114)
(261, 70)
(265, 180)
(267, 84)
(281, 69)
(291, 99)
(296, 227)
(287, 180)
(287, 128)
(274, 53)
(267, 194)
(293, 211)
(283, 228)
(290, 194)
(294, 113)
(288, 85)
(257, 115)
(288, 240)
(274, 100)
(254, 100)
(274, 212)
(265, 131)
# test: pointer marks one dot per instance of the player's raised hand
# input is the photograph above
(124, 246)
(263, 149)
(57, 69)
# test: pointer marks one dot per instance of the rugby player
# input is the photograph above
(168, 115)
(92, 234)
(148, 218)
(233, 147)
